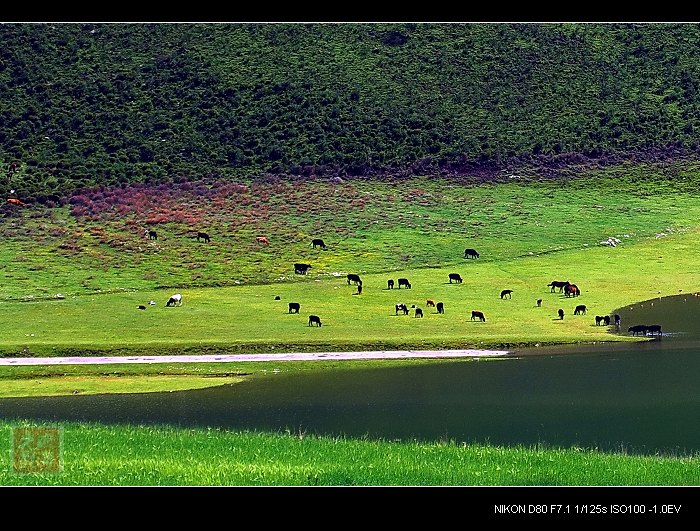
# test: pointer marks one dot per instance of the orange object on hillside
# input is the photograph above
(15, 202)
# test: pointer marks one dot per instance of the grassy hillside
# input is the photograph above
(97, 242)
(73, 277)
(109, 104)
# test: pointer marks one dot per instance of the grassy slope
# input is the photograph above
(528, 234)
(124, 103)
(248, 318)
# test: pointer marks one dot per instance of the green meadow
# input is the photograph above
(72, 277)
(73, 284)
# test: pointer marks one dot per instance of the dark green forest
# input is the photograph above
(86, 104)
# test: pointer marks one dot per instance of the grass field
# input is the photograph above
(102, 267)
(160, 455)
(73, 277)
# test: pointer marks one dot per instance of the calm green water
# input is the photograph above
(641, 398)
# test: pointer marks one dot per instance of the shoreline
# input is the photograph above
(228, 358)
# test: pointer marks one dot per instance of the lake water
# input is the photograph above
(641, 398)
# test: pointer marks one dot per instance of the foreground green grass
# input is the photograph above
(133, 455)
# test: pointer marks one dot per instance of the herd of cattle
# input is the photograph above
(566, 287)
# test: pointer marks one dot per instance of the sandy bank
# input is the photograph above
(301, 356)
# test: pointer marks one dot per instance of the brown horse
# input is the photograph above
(571, 290)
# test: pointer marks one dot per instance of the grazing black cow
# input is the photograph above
(401, 308)
(654, 330)
(142, 307)
(440, 307)
(598, 320)
(301, 269)
(580, 309)
(317, 242)
(389, 284)
(638, 329)
(558, 284)
(539, 302)
(152, 235)
(278, 298)
(175, 300)
(354, 278)
(478, 315)
(314, 319)
(618, 320)
(419, 312)
(561, 313)
(404, 282)
(471, 253)
(606, 320)
(456, 278)
(203, 236)
(294, 307)
(507, 293)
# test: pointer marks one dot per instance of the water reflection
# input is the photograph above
(640, 398)
(677, 315)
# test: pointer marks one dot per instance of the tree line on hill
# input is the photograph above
(91, 104)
